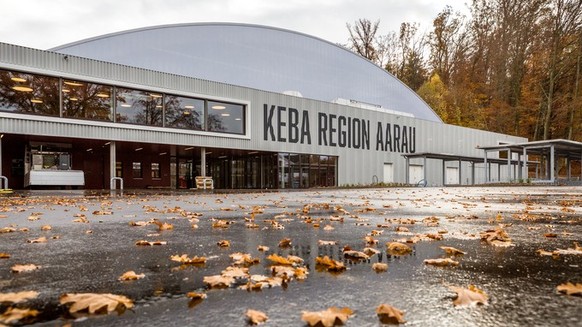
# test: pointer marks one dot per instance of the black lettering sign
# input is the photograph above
(268, 125)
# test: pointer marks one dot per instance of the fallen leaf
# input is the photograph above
(95, 303)
(243, 259)
(355, 255)
(277, 259)
(13, 315)
(469, 296)
(7, 230)
(218, 281)
(150, 243)
(130, 275)
(17, 297)
(196, 295)
(497, 237)
(41, 239)
(327, 318)
(163, 225)
(138, 223)
(570, 288)
(330, 264)
(389, 314)
(4, 255)
(33, 217)
(323, 243)
(380, 267)
(46, 227)
(102, 213)
(223, 243)
(263, 248)
(256, 317)
(24, 268)
(370, 251)
(286, 242)
(452, 251)
(235, 272)
(184, 259)
(441, 262)
(396, 248)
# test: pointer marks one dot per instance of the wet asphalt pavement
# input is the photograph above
(521, 284)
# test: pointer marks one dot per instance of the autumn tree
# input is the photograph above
(363, 38)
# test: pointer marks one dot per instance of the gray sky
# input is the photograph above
(44, 24)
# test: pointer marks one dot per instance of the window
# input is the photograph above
(138, 107)
(118, 169)
(136, 170)
(156, 171)
(86, 100)
(184, 112)
(29, 93)
(226, 117)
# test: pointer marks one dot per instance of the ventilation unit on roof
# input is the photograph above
(293, 93)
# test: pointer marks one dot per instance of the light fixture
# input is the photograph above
(189, 148)
(189, 107)
(225, 115)
(18, 79)
(163, 153)
(186, 113)
(209, 152)
(158, 106)
(22, 88)
(154, 95)
(218, 107)
(71, 83)
(125, 105)
(90, 149)
(67, 91)
(102, 95)
(254, 152)
(36, 101)
(138, 149)
(73, 99)
(107, 143)
(222, 157)
(238, 119)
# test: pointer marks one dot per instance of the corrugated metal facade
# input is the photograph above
(267, 126)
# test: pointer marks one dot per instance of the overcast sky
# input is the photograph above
(44, 24)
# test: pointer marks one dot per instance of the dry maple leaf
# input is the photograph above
(379, 267)
(184, 259)
(389, 314)
(279, 260)
(163, 225)
(223, 243)
(17, 297)
(218, 281)
(102, 213)
(452, 251)
(150, 243)
(95, 303)
(138, 223)
(570, 288)
(286, 242)
(46, 227)
(323, 243)
(469, 296)
(196, 295)
(355, 255)
(7, 230)
(243, 259)
(235, 272)
(330, 264)
(4, 255)
(41, 239)
(263, 248)
(370, 251)
(24, 268)
(130, 275)
(327, 318)
(256, 317)
(14, 315)
(396, 248)
(441, 262)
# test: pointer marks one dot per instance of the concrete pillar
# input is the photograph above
(509, 165)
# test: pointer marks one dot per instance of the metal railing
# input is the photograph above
(113, 183)
(5, 182)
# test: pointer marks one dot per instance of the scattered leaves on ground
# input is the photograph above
(24, 268)
(223, 243)
(41, 239)
(150, 243)
(15, 315)
(441, 262)
(185, 259)
(330, 264)
(397, 248)
(452, 251)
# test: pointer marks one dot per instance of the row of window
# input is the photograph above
(60, 97)
(137, 170)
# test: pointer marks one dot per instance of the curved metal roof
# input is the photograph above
(255, 56)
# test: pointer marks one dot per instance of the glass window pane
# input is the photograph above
(86, 100)
(156, 170)
(182, 112)
(29, 93)
(138, 107)
(226, 117)
(136, 168)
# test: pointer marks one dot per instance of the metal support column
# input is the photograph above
(203, 162)
(444, 173)
(473, 173)
(509, 165)
(112, 164)
(407, 173)
(552, 164)
(460, 180)
(525, 172)
(486, 168)
(424, 169)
